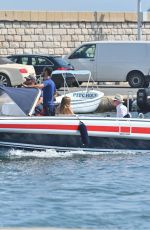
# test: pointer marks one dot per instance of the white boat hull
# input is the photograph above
(64, 132)
(84, 101)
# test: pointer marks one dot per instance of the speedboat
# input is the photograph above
(85, 100)
(19, 128)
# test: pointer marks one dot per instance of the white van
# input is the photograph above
(114, 61)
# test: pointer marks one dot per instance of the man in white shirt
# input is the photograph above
(122, 110)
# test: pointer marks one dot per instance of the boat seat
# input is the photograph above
(11, 109)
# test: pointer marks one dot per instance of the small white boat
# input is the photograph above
(82, 101)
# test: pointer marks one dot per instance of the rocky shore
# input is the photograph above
(107, 104)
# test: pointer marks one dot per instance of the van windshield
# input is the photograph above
(85, 51)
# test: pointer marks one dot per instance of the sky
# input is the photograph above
(75, 5)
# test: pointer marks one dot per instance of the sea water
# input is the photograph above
(75, 189)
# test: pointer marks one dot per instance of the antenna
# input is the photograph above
(139, 18)
(130, 96)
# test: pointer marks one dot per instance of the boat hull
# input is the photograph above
(45, 141)
(84, 101)
(64, 133)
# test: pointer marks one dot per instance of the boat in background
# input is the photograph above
(20, 129)
(85, 100)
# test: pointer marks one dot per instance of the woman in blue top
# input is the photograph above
(49, 90)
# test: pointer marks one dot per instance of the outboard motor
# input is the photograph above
(143, 100)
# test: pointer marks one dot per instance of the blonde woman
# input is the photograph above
(65, 107)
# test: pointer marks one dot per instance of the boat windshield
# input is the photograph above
(8, 107)
(18, 101)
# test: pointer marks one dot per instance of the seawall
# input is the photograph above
(59, 32)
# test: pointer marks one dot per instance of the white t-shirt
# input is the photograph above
(121, 110)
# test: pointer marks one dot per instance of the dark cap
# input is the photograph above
(31, 77)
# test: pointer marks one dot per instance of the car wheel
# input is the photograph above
(136, 79)
(4, 80)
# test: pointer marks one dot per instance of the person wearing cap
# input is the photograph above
(30, 82)
(121, 109)
(49, 90)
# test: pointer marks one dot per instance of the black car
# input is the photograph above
(39, 61)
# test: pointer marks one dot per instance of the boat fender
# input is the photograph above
(83, 133)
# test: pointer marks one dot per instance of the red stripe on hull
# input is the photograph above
(125, 129)
(115, 129)
(39, 126)
(142, 130)
(60, 127)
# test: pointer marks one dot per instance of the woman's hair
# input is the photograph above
(65, 106)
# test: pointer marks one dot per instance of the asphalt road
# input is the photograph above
(108, 90)
(111, 91)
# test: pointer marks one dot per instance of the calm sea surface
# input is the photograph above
(75, 189)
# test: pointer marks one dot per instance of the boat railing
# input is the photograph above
(129, 97)
(74, 73)
(90, 79)
(39, 79)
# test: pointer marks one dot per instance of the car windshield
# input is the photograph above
(61, 61)
(4, 60)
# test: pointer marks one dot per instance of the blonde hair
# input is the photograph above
(65, 106)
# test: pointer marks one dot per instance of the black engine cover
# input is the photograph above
(143, 99)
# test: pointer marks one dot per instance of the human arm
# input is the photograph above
(38, 86)
(71, 111)
(68, 111)
(40, 101)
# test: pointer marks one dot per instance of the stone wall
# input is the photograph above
(59, 32)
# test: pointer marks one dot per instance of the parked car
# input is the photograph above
(111, 61)
(13, 74)
(39, 61)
